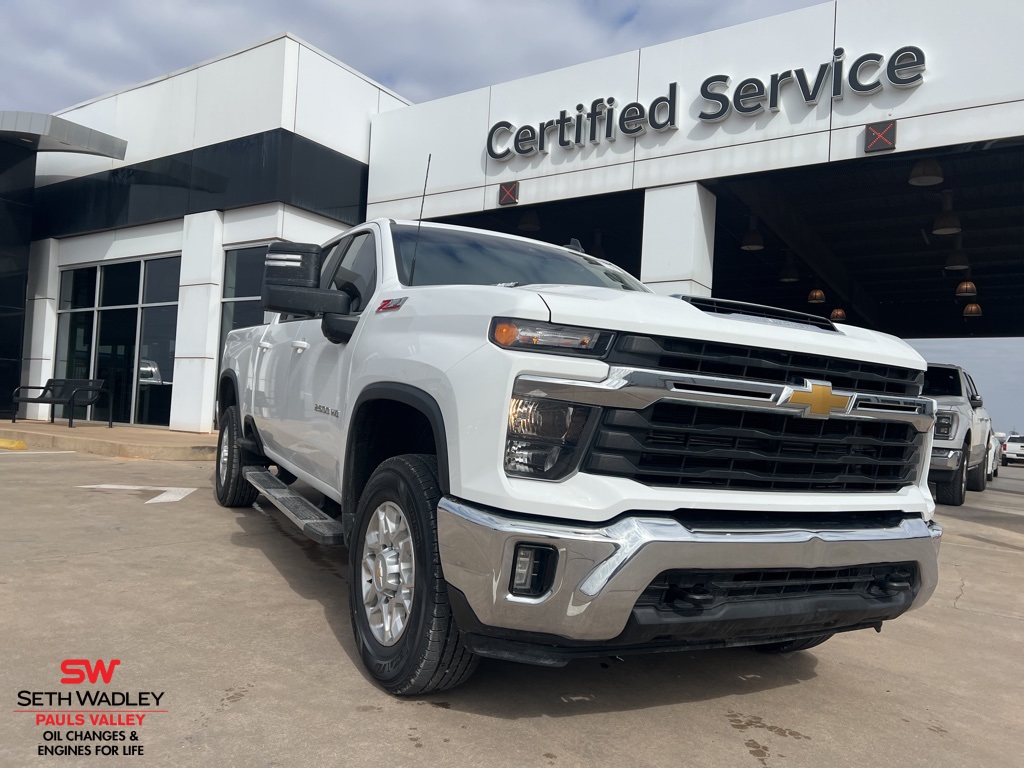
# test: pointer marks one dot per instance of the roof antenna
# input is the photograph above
(419, 223)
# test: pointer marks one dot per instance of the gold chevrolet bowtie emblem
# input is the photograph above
(820, 400)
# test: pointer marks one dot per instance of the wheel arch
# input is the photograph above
(374, 435)
(227, 392)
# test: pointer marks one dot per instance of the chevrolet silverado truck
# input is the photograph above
(531, 456)
(961, 456)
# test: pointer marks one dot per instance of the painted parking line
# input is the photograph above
(166, 495)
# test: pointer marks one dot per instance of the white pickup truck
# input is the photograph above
(962, 458)
(531, 456)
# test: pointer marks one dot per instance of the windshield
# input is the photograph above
(471, 257)
(942, 382)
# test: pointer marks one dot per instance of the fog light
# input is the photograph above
(533, 570)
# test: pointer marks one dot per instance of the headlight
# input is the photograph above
(544, 437)
(534, 336)
(945, 425)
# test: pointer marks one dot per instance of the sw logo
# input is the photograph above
(77, 670)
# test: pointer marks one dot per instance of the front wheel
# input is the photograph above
(793, 645)
(230, 486)
(401, 618)
(954, 492)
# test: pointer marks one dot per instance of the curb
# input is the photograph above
(120, 449)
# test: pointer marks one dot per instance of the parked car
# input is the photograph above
(960, 448)
(1013, 449)
(995, 449)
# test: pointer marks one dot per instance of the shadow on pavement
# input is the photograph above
(518, 691)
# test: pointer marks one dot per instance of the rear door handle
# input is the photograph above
(265, 345)
(300, 345)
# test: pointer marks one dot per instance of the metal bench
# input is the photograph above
(68, 392)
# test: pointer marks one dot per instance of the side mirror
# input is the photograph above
(290, 276)
(337, 327)
(976, 401)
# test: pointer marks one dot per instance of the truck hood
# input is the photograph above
(657, 315)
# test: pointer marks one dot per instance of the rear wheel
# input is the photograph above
(793, 645)
(401, 617)
(230, 487)
(954, 492)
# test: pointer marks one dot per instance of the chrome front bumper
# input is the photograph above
(946, 459)
(602, 571)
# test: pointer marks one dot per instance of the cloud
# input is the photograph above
(57, 53)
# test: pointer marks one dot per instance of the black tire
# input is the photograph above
(954, 492)
(977, 477)
(1004, 462)
(995, 470)
(789, 646)
(230, 487)
(425, 653)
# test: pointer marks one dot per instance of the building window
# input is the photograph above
(243, 284)
(117, 322)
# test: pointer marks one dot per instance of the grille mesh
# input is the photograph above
(676, 444)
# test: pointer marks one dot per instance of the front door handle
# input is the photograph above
(265, 345)
(300, 346)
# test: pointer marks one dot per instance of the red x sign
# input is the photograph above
(508, 193)
(880, 136)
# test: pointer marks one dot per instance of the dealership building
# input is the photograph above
(856, 158)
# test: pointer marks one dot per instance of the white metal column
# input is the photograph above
(198, 331)
(679, 239)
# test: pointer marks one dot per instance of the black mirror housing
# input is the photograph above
(291, 273)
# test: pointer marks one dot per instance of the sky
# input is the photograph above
(57, 53)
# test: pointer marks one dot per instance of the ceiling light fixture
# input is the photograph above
(752, 241)
(966, 289)
(957, 259)
(789, 272)
(948, 221)
(817, 296)
(838, 315)
(926, 173)
(972, 310)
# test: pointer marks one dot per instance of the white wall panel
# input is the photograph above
(753, 157)
(802, 39)
(300, 226)
(334, 105)
(972, 53)
(977, 125)
(580, 183)
(157, 119)
(164, 237)
(535, 100)
(241, 94)
(448, 129)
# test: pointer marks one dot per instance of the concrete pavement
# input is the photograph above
(243, 626)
